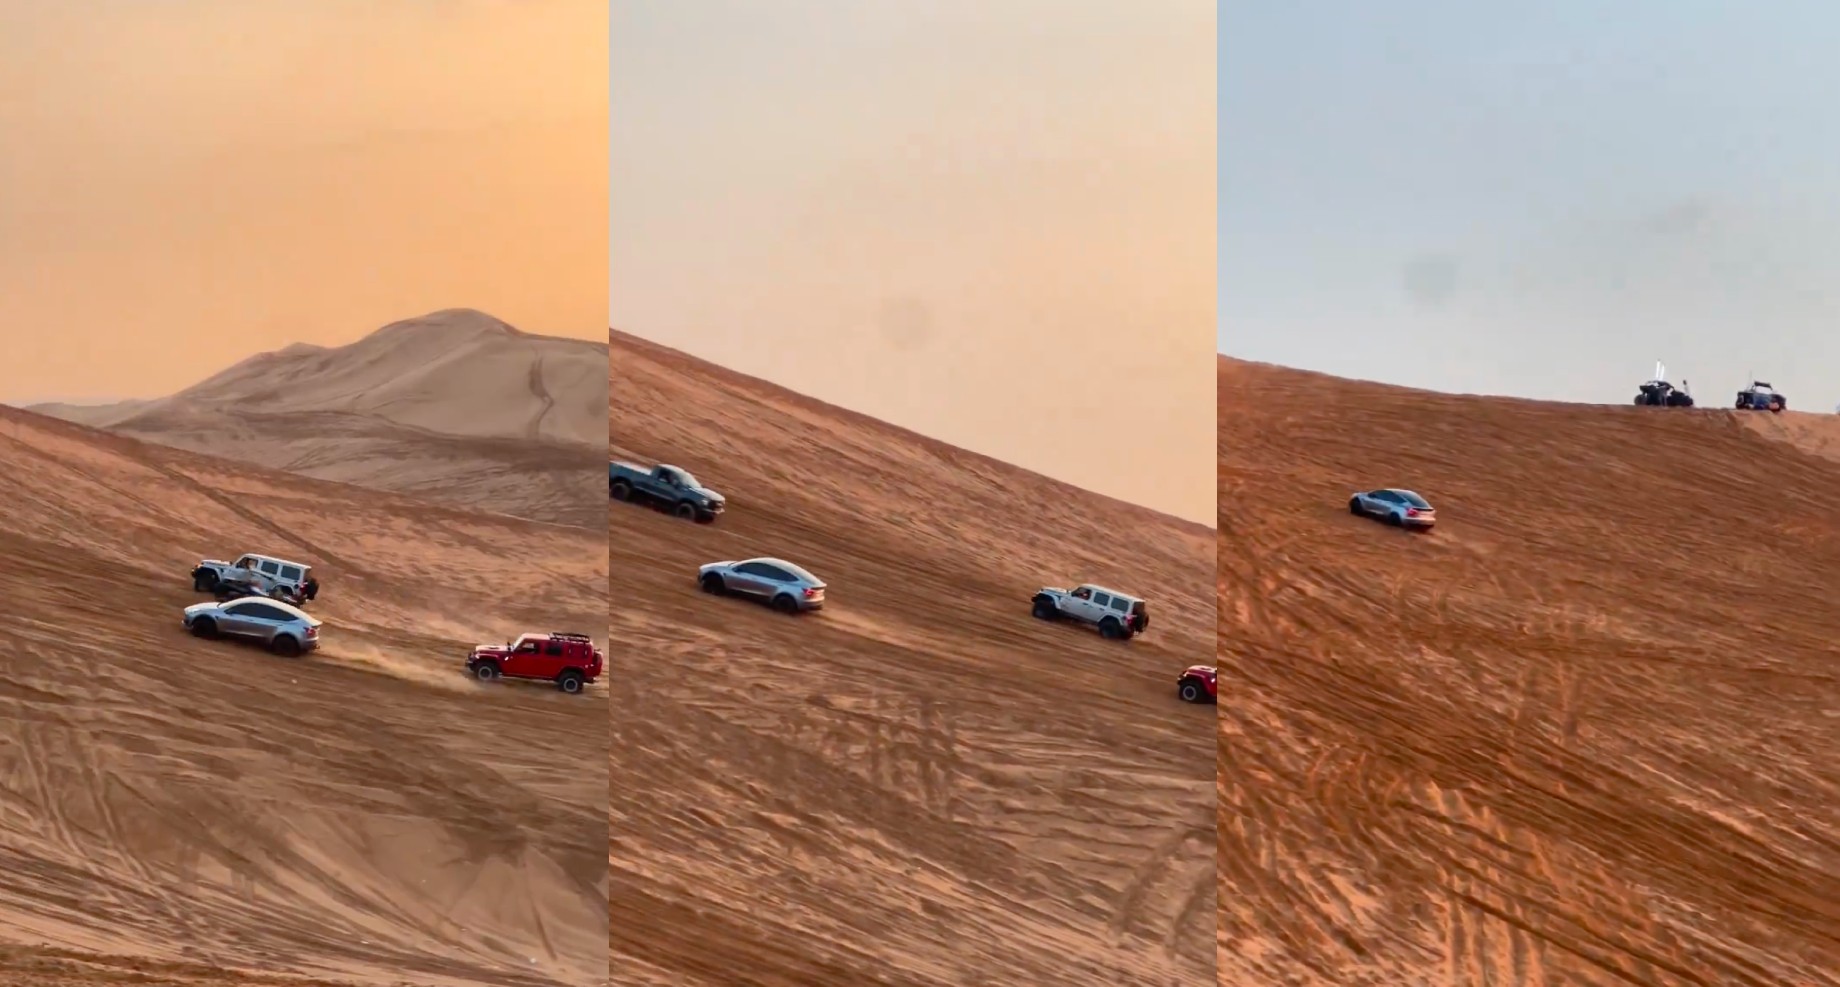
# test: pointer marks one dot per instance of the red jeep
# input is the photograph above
(569, 660)
(1197, 684)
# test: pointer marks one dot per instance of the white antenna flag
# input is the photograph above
(1660, 371)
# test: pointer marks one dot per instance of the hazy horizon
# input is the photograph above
(1540, 202)
(991, 225)
(191, 183)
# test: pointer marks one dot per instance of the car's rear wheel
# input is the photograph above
(486, 672)
(620, 490)
(1044, 610)
(285, 646)
(204, 627)
(714, 585)
(570, 681)
(1395, 519)
(1111, 629)
(784, 603)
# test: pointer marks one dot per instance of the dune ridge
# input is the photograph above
(455, 406)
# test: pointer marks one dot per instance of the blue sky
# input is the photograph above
(1539, 200)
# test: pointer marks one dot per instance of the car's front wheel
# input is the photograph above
(485, 671)
(1045, 610)
(713, 585)
(1190, 691)
(204, 627)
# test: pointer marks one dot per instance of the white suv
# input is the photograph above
(262, 574)
(1119, 616)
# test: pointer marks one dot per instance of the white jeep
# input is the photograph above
(257, 575)
(1119, 616)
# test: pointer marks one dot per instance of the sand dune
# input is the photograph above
(455, 406)
(1585, 733)
(186, 812)
(921, 785)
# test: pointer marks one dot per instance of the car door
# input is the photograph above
(271, 575)
(523, 660)
(1098, 606)
(550, 664)
(751, 578)
(235, 618)
(290, 577)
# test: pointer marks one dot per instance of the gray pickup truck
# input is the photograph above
(667, 487)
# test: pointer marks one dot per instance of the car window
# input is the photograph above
(1102, 599)
(1414, 499)
(289, 572)
(261, 611)
(685, 480)
(775, 573)
(1119, 604)
(751, 569)
(1384, 496)
(270, 568)
(552, 648)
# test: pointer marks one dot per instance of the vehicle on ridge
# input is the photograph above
(1760, 396)
(570, 660)
(281, 627)
(264, 575)
(779, 584)
(665, 486)
(1659, 393)
(1197, 684)
(1397, 507)
(1118, 616)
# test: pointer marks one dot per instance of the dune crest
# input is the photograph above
(455, 405)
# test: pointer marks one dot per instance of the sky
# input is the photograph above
(185, 183)
(1534, 199)
(989, 223)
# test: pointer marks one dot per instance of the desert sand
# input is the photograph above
(920, 785)
(453, 406)
(177, 811)
(1584, 733)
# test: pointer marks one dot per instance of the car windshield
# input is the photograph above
(684, 479)
(1412, 498)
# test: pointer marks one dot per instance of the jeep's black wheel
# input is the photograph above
(1190, 691)
(620, 490)
(204, 627)
(570, 681)
(485, 671)
(714, 585)
(204, 581)
(1111, 629)
(685, 510)
(1044, 610)
(784, 603)
(285, 646)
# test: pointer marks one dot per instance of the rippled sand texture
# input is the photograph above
(1586, 732)
(921, 785)
(177, 811)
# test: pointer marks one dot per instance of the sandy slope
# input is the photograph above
(174, 811)
(455, 406)
(1584, 733)
(922, 785)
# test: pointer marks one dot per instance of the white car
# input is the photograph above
(1119, 616)
(1400, 508)
(259, 575)
(283, 629)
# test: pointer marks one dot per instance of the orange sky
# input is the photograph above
(990, 223)
(187, 182)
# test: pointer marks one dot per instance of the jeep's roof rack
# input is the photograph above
(568, 636)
